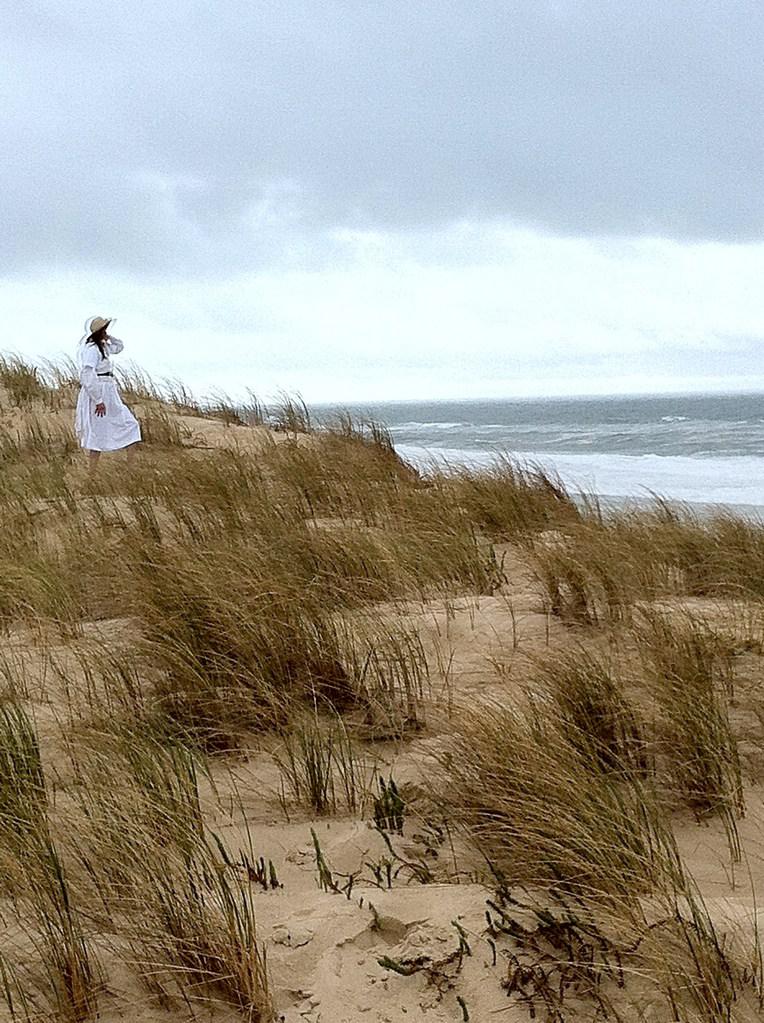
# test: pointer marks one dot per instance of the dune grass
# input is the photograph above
(508, 499)
(549, 814)
(594, 711)
(22, 383)
(554, 821)
(36, 879)
(594, 571)
(689, 673)
(184, 916)
(267, 593)
(321, 767)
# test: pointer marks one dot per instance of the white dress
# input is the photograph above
(118, 428)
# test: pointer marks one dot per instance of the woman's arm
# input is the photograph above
(88, 377)
(114, 346)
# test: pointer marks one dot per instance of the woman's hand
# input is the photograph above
(100, 409)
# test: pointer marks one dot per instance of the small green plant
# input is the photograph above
(325, 877)
(321, 767)
(263, 875)
(394, 865)
(389, 807)
(328, 880)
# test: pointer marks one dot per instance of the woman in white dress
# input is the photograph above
(102, 422)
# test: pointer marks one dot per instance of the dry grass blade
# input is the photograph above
(220, 406)
(594, 711)
(510, 499)
(321, 767)
(594, 854)
(160, 429)
(69, 962)
(23, 796)
(169, 885)
(197, 933)
(42, 894)
(290, 414)
(22, 384)
(689, 671)
(543, 811)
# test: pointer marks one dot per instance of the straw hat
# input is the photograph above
(97, 323)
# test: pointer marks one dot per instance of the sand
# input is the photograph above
(324, 948)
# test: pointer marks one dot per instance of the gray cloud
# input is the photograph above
(196, 138)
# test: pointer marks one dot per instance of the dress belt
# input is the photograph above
(104, 374)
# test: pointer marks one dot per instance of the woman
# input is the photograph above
(103, 422)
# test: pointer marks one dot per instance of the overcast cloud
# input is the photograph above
(374, 198)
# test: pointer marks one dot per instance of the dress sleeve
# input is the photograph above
(88, 377)
(114, 346)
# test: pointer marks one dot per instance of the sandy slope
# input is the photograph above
(324, 948)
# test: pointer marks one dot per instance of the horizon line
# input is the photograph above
(548, 397)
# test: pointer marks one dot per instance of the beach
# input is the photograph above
(706, 449)
(297, 726)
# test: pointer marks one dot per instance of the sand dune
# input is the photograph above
(289, 733)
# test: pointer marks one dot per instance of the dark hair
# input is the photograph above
(98, 338)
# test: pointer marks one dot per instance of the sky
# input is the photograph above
(362, 200)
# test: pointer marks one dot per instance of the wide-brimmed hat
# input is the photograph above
(97, 323)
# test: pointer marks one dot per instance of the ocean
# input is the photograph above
(707, 449)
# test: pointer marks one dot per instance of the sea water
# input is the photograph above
(698, 448)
